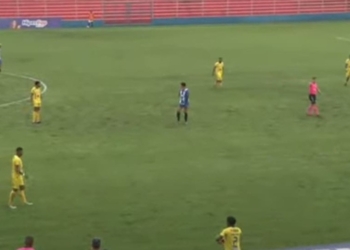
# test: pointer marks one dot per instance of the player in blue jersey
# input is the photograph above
(0, 57)
(184, 102)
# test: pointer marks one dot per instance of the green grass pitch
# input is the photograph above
(110, 160)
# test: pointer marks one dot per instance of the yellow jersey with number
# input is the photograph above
(232, 238)
(36, 95)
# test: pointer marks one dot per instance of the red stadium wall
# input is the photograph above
(144, 11)
(66, 9)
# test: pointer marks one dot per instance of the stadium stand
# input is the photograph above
(143, 11)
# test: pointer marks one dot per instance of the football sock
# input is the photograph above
(23, 196)
(178, 115)
(12, 197)
(186, 116)
(38, 116)
(34, 116)
(316, 110)
(309, 110)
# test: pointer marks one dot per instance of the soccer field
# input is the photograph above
(110, 160)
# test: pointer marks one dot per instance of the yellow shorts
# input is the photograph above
(37, 104)
(17, 182)
(219, 76)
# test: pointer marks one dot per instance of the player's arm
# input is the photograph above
(219, 239)
(31, 96)
(214, 68)
(19, 170)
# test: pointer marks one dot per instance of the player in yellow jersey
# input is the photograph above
(218, 72)
(17, 179)
(347, 70)
(230, 237)
(36, 98)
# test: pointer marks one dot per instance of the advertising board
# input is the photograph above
(30, 23)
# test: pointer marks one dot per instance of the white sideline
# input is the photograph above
(343, 39)
(25, 99)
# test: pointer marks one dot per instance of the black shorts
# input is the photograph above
(312, 99)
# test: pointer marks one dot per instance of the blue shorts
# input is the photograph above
(184, 106)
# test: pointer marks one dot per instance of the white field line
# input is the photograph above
(3, 105)
(343, 39)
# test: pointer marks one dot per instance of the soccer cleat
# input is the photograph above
(12, 207)
(29, 203)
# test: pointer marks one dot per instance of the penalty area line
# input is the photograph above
(343, 39)
(3, 105)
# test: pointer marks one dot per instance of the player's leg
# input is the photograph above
(23, 195)
(38, 114)
(311, 107)
(347, 77)
(34, 115)
(218, 79)
(186, 114)
(21, 189)
(316, 110)
(13, 193)
(12, 196)
(178, 113)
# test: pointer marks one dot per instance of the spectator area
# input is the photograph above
(143, 11)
